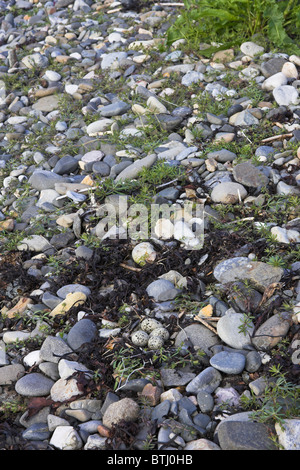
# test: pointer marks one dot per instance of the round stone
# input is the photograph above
(233, 331)
(228, 193)
(162, 290)
(143, 253)
(124, 409)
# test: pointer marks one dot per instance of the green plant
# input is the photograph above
(245, 323)
(277, 261)
(280, 400)
(238, 20)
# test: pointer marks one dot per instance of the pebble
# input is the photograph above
(200, 337)
(236, 435)
(288, 434)
(230, 330)
(66, 438)
(162, 290)
(84, 331)
(207, 381)
(98, 112)
(229, 363)
(272, 331)
(239, 268)
(228, 193)
(285, 95)
(125, 408)
(34, 385)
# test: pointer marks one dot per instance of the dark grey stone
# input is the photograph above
(36, 432)
(238, 435)
(84, 331)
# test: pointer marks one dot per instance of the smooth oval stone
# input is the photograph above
(272, 331)
(71, 288)
(230, 363)
(229, 329)
(34, 385)
(228, 193)
(84, 331)
(208, 380)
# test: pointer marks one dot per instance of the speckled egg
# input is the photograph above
(162, 332)
(140, 338)
(149, 324)
(155, 342)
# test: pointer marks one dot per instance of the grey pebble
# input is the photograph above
(84, 331)
(34, 385)
(228, 362)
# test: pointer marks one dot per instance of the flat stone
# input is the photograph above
(44, 179)
(285, 95)
(249, 175)
(82, 332)
(37, 432)
(228, 362)
(175, 378)
(251, 49)
(162, 290)
(53, 348)
(98, 127)
(66, 164)
(272, 66)
(11, 373)
(47, 103)
(34, 385)
(115, 109)
(169, 122)
(208, 380)
(272, 331)
(201, 444)
(71, 288)
(36, 243)
(240, 268)
(131, 171)
(289, 436)
(222, 155)
(112, 60)
(201, 337)
(237, 435)
(276, 80)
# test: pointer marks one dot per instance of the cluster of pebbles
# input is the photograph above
(63, 54)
